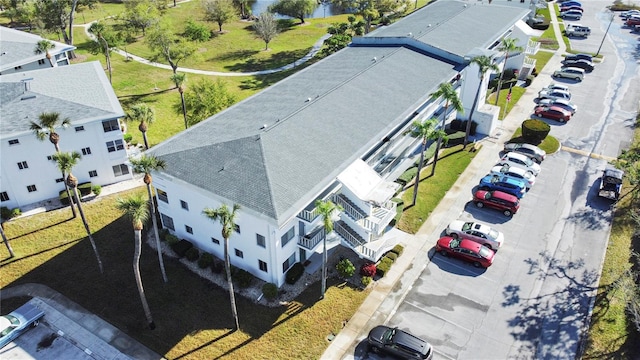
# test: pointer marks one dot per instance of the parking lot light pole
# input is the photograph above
(611, 16)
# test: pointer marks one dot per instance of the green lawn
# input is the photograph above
(550, 144)
(516, 93)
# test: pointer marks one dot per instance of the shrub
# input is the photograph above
(391, 256)
(294, 273)
(233, 270)
(217, 266)
(534, 130)
(368, 269)
(96, 189)
(529, 79)
(456, 125)
(243, 278)
(366, 280)
(197, 32)
(407, 176)
(64, 199)
(171, 239)
(383, 266)
(206, 259)
(455, 138)
(345, 268)
(192, 254)
(127, 138)
(398, 249)
(5, 213)
(163, 234)
(15, 212)
(84, 189)
(270, 291)
(181, 247)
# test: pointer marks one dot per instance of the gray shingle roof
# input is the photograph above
(80, 92)
(16, 48)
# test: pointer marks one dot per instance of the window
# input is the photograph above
(59, 180)
(215, 241)
(79, 128)
(114, 145)
(162, 195)
(23, 165)
(49, 157)
(288, 236)
(119, 170)
(4, 196)
(93, 173)
(188, 229)
(289, 262)
(183, 203)
(236, 228)
(167, 221)
(86, 151)
(31, 188)
(260, 240)
(41, 62)
(14, 142)
(239, 253)
(110, 125)
(262, 265)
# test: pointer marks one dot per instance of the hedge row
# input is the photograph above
(384, 265)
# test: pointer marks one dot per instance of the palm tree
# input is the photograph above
(6, 242)
(43, 46)
(508, 45)
(97, 29)
(426, 131)
(179, 79)
(484, 64)
(145, 115)
(65, 162)
(450, 95)
(135, 207)
(326, 209)
(227, 219)
(46, 128)
(146, 164)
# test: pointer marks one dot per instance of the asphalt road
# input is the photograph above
(533, 302)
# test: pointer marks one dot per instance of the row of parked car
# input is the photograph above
(571, 9)
(554, 102)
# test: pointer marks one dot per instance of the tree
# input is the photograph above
(325, 210)
(368, 9)
(146, 164)
(484, 64)
(6, 242)
(227, 219)
(58, 16)
(295, 8)
(342, 34)
(242, 4)
(266, 28)
(142, 113)
(140, 14)
(135, 207)
(104, 41)
(179, 79)
(507, 45)
(427, 130)
(629, 162)
(219, 11)
(168, 46)
(43, 46)
(206, 98)
(450, 95)
(46, 128)
(65, 162)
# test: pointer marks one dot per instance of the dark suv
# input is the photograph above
(498, 200)
(399, 343)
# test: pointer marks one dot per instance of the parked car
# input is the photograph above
(611, 184)
(556, 86)
(503, 183)
(572, 7)
(565, 104)
(515, 173)
(475, 231)
(399, 343)
(571, 3)
(520, 160)
(553, 112)
(578, 57)
(633, 21)
(554, 94)
(569, 73)
(533, 152)
(506, 203)
(627, 14)
(582, 31)
(18, 321)
(571, 14)
(467, 250)
(585, 65)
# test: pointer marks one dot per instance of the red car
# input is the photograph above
(498, 200)
(633, 21)
(553, 112)
(467, 250)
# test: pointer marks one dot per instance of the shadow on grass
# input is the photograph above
(273, 62)
(17, 258)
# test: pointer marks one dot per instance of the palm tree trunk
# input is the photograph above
(500, 78)
(475, 103)
(439, 143)
(324, 266)
(136, 273)
(6, 241)
(144, 137)
(415, 187)
(86, 227)
(184, 110)
(66, 188)
(232, 296)
(155, 232)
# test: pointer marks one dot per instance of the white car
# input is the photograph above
(554, 94)
(475, 231)
(565, 104)
(626, 14)
(521, 161)
(556, 86)
(516, 173)
(569, 72)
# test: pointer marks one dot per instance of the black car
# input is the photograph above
(585, 65)
(399, 343)
(579, 57)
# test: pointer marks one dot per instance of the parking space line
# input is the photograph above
(588, 154)
(439, 317)
(465, 269)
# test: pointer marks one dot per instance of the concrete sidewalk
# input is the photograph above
(388, 292)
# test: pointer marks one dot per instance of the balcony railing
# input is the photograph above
(532, 47)
(310, 241)
(529, 62)
(350, 208)
(309, 215)
(353, 240)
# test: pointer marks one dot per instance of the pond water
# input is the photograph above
(260, 6)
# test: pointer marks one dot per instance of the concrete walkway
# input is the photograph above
(387, 293)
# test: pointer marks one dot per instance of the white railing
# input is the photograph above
(312, 242)
(529, 62)
(532, 47)
(350, 209)
(309, 215)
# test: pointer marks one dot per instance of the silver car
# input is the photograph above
(565, 104)
(569, 73)
(535, 153)
(18, 321)
(521, 161)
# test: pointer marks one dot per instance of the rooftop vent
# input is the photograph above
(264, 126)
